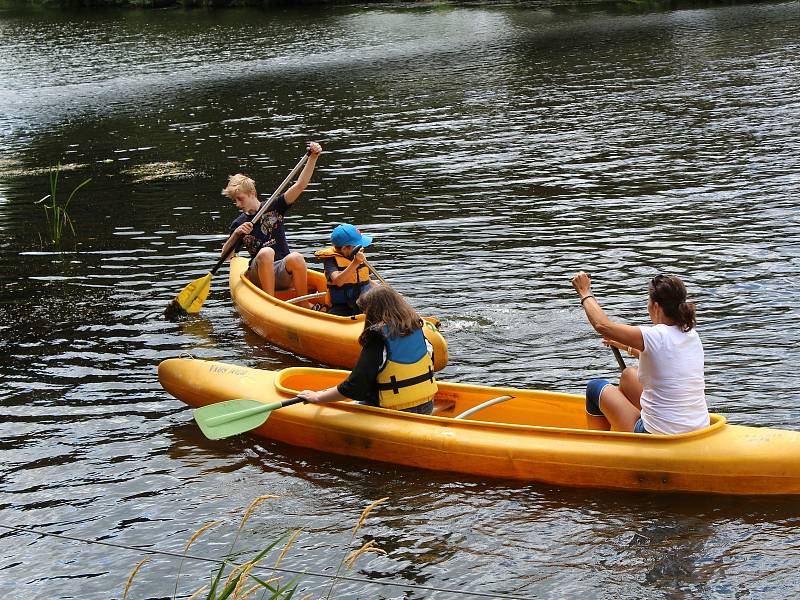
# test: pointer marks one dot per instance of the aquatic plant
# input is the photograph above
(195, 535)
(56, 213)
(161, 171)
(231, 580)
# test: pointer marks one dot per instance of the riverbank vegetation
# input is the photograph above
(653, 4)
(162, 3)
(234, 580)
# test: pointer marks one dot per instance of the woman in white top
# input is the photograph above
(666, 394)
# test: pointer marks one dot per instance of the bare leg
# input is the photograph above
(296, 267)
(621, 414)
(630, 385)
(597, 423)
(620, 404)
(264, 261)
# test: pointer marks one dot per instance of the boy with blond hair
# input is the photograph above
(272, 265)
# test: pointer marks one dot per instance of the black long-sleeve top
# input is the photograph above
(362, 383)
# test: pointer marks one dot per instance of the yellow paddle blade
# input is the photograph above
(194, 294)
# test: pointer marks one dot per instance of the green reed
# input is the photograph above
(57, 216)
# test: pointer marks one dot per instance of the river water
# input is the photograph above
(492, 151)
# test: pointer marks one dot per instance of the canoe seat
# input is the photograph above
(483, 405)
(286, 294)
(443, 405)
(316, 284)
(290, 295)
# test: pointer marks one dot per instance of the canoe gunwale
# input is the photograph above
(283, 305)
(717, 421)
(327, 338)
(315, 313)
(722, 459)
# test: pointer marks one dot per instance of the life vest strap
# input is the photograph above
(395, 385)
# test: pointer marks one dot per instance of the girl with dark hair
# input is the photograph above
(395, 368)
(666, 394)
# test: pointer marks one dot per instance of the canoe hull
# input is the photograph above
(329, 339)
(723, 459)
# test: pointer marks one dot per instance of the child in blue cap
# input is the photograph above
(345, 269)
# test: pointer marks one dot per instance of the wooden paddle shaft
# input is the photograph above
(257, 217)
(374, 272)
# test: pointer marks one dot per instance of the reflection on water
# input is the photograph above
(491, 152)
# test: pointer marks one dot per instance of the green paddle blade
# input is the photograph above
(193, 295)
(224, 419)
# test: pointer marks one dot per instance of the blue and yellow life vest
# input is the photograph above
(347, 288)
(406, 379)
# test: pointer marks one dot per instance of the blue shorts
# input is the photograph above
(639, 427)
(594, 388)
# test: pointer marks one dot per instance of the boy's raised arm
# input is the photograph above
(293, 193)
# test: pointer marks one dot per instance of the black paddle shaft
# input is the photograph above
(290, 401)
(619, 358)
(224, 257)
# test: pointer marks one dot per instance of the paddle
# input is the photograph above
(358, 249)
(435, 322)
(194, 294)
(224, 419)
(619, 358)
(373, 271)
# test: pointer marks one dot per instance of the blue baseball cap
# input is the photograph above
(347, 235)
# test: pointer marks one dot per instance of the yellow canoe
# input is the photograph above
(535, 436)
(329, 339)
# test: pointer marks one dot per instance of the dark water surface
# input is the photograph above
(492, 152)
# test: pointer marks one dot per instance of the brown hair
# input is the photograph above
(670, 293)
(384, 307)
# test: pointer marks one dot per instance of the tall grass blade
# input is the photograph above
(56, 214)
(74, 191)
(130, 579)
(213, 590)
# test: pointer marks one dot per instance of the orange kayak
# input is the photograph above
(329, 339)
(518, 434)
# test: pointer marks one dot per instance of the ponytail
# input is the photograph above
(686, 316)
(670, 293)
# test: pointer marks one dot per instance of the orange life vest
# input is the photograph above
(347, 288)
